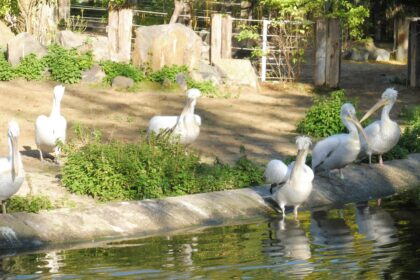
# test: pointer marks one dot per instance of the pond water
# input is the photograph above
(364, 242)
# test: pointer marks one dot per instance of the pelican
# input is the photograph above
(51, 130)
(383, 134)
(338, 150)
(299, 184)
(12, 174)
(277, 172)
(186, 126)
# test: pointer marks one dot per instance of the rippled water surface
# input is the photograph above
(353, 243)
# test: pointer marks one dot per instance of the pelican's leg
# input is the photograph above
(295, 212)
(40, 155)
(3, 207)
(379, 202)
(283, 209)
(380, 160)
(57, 151)
(341, 174)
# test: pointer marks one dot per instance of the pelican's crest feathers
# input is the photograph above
(303, 142)
(193, 93)
(390, 93)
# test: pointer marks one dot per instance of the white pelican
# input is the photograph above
(299, 184)
(277, 172)
(12, 174)
(50, 130)
(338, 150)
(383, 134)
(186, 126)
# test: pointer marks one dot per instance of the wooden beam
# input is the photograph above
(321, 52)
(414, 54)
(216, 37)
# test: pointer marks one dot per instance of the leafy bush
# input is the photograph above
(149, 169)
(167, 73)
(207, 88)
(6, 70)
(30, 203)
(323, 118)
(66, 66)
(31, 67)
(113, 69)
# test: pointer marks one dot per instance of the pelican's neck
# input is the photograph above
(351, 127)
(14, 156)
(385, 112)
(55, 111)
(299, 165)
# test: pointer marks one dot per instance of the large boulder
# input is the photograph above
(121, 82)
(22, 45)
(94, 75)
(366, 50)
(207, 72)
(169, 44)
(5, 35)
(69, 39)
(237, 72)
(100, 48)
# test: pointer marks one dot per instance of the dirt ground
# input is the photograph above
(263, 122)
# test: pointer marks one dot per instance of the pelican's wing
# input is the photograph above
(323, 150)
(373, 130)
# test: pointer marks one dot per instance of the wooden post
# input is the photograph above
(125, 31)
(120, 22)
(216, 37)
(414, 53)
(328, 53)
(63, 9)
(333, 59)
(226, 48)
(401, 26)
(320, 52)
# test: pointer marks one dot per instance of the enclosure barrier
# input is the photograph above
(414, 53)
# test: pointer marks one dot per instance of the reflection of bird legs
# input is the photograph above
(295, 212)
(381, 162)
(3, 206)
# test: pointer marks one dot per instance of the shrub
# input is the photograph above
(31, 67)
(66, 66)
(323, 118)
(167, 73)
(6, 70)
(30, 203)
(149, 169)
(113, 69)
(207, 88)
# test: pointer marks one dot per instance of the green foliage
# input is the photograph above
(113, 69)
(9, 7)
(167, 73)
(31, 67)
(207, 88)
(150, 169)
(247, 32)
(6, 71)
(66, 66)
(31, 203)
(323, 118)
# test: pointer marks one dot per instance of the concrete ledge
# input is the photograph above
(149, 217)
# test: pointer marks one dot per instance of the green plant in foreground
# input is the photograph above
(323, 118)
(6, 71)
(150, 169)
(168, 73)
(29, 203)
(31, 67)
(113, 69)
(66, 66)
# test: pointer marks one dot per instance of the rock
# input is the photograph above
(94, 75)
(100, 49)
(69, 39)
(207, 72)
(121, 82)
(5, 35)
(167, 44)
(237, 72)
(382, 55)
(22, 45)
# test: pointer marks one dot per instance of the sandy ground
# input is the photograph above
(263, 122)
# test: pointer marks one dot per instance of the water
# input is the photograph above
(351, 243)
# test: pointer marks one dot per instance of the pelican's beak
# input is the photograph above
(377, 106)
(359, 127)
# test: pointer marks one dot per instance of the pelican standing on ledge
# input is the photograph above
(12, 174)
(277, 172)
(299, 185)
(339, 150)
(383, 134)
(186, 126)
(50, 130)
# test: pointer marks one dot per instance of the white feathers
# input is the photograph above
(51, 130)
(11, 168)
(303, 142)
(276, 172)
(390, 94)
(186, 126)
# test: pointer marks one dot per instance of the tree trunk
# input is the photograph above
(63, 9)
